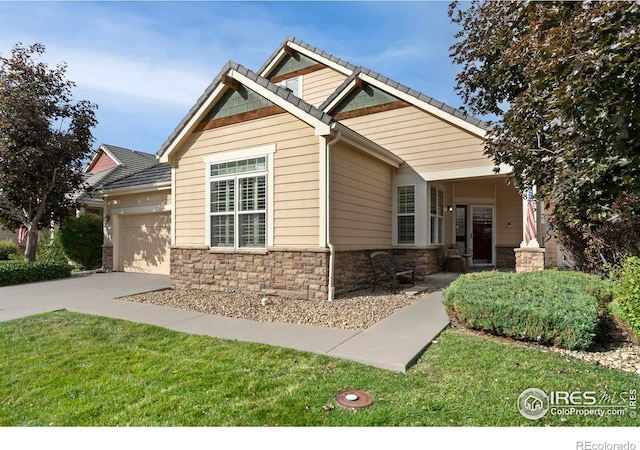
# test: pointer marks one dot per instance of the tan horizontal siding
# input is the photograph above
(508, 211)
(141, 199)
(319, 85)
(361, 201)
(296, 178)
(425, 142)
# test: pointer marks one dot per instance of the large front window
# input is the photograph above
(239, 203)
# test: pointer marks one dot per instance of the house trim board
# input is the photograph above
(136, 189)
(297, 73)
(468, 172)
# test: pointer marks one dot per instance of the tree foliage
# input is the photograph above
(81, 239)
(564, 80)
(44, 138)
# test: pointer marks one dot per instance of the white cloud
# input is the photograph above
(169, 83)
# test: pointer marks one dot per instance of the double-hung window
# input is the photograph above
(437, 215)
(238, 203)
(406, 214)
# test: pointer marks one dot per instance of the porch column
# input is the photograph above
(530, 256)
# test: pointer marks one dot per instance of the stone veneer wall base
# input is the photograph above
(353, 270)
(107, 258)
(294, 273)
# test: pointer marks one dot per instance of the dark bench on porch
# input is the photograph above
(385, 269)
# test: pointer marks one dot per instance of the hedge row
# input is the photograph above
(22, 272)
(550, 307)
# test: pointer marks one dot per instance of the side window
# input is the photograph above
(406, 214)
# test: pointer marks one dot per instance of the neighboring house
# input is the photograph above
(285, 180)
(108, 164)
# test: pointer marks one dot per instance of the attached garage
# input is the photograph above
(144, 243)
(137, 225)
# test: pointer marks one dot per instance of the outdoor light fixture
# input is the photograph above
(450, 208)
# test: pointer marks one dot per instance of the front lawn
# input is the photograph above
(66, 369)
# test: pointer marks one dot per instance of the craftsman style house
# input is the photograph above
(285, 180)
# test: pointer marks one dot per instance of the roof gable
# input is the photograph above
(291, 65)
(365, 99)
(100, 161)
(242, 80)
(405, 94)
(295, 46)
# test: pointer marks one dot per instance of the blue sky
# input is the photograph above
(146, 63)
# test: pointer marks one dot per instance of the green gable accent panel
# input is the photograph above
(363, 98)
(237, 102)
(291, 64)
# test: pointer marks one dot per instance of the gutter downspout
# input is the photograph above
(332, 249)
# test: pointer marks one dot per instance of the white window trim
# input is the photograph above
(234, 155)
(429, 214)
(420, 210)
(414, 214)
(300, 85)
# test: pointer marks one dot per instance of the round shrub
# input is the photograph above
(81, 239)
(549, 307)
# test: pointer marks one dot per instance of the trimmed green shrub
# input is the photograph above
(22, 272)
(627, 292)
(7, 248)
(549, 307)
(81, 239)
(50, 250)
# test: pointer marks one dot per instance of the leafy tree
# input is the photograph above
(563, 78)
(44, 138)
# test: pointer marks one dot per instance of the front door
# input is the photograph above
(482, 229)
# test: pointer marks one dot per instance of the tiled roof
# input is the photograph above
(131, 161)
(272, 87)
(158, 173)
(311, 48)
(407, 90)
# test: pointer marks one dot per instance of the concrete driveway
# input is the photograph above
(33, 298)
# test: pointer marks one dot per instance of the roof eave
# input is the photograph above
(150, 187)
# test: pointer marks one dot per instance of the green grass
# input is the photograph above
(66, 369)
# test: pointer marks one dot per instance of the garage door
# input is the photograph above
(144, 243)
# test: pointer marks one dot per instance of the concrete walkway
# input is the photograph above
(394, 343)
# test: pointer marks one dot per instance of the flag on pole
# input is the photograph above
(531, 232)
(22, 234)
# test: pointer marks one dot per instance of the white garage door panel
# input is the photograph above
(144, 243)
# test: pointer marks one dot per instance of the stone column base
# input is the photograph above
(107, 258)
(529, 259)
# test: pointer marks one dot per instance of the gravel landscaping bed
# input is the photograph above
(619, 351)
(358, 310)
